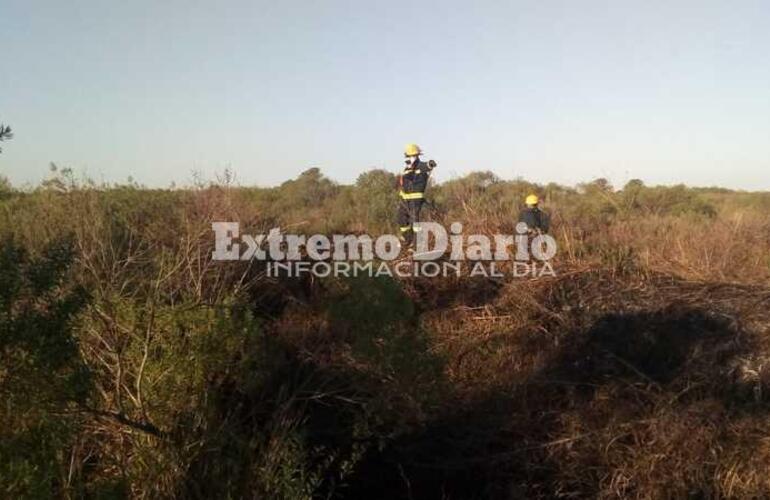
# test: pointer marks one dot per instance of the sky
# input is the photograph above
(674, 91)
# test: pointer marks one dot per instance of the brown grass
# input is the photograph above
(642, 370)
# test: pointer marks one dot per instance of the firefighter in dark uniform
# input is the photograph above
(536, 220)
(411, 190)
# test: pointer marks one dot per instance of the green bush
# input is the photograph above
(43, 380)
(376, 198)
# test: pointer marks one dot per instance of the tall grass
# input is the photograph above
(186, 377)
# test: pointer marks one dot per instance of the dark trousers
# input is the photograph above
(408, 215)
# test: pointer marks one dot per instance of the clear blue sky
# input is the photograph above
(666, 91)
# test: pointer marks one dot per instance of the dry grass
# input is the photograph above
(595, 385)
(642, 370)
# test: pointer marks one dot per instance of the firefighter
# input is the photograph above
(411, 185)
(536, 220)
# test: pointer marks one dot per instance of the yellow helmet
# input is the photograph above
(412, 150)
(532, 200)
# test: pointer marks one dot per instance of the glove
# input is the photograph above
(432, 164)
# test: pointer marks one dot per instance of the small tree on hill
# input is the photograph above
(5, 134)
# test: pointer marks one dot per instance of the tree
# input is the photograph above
(5, 187)
(5, 134)
(631, 194)
(5, 184)
(376, 198)
(43, 380)
(308, 190)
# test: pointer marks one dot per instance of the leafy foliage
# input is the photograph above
(133, 365)
(43, 380)
(375, 198)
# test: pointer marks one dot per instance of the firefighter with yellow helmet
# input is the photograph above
(536, 220)
(412, 183)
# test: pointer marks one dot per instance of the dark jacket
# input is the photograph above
(535, 219)
(414, 179)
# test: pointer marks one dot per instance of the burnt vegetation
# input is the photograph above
(134, 366)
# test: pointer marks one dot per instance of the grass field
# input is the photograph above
(132, 365)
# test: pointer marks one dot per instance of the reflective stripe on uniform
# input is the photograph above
(412, 196)
(405, 228)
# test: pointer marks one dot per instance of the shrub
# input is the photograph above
(43, 380)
